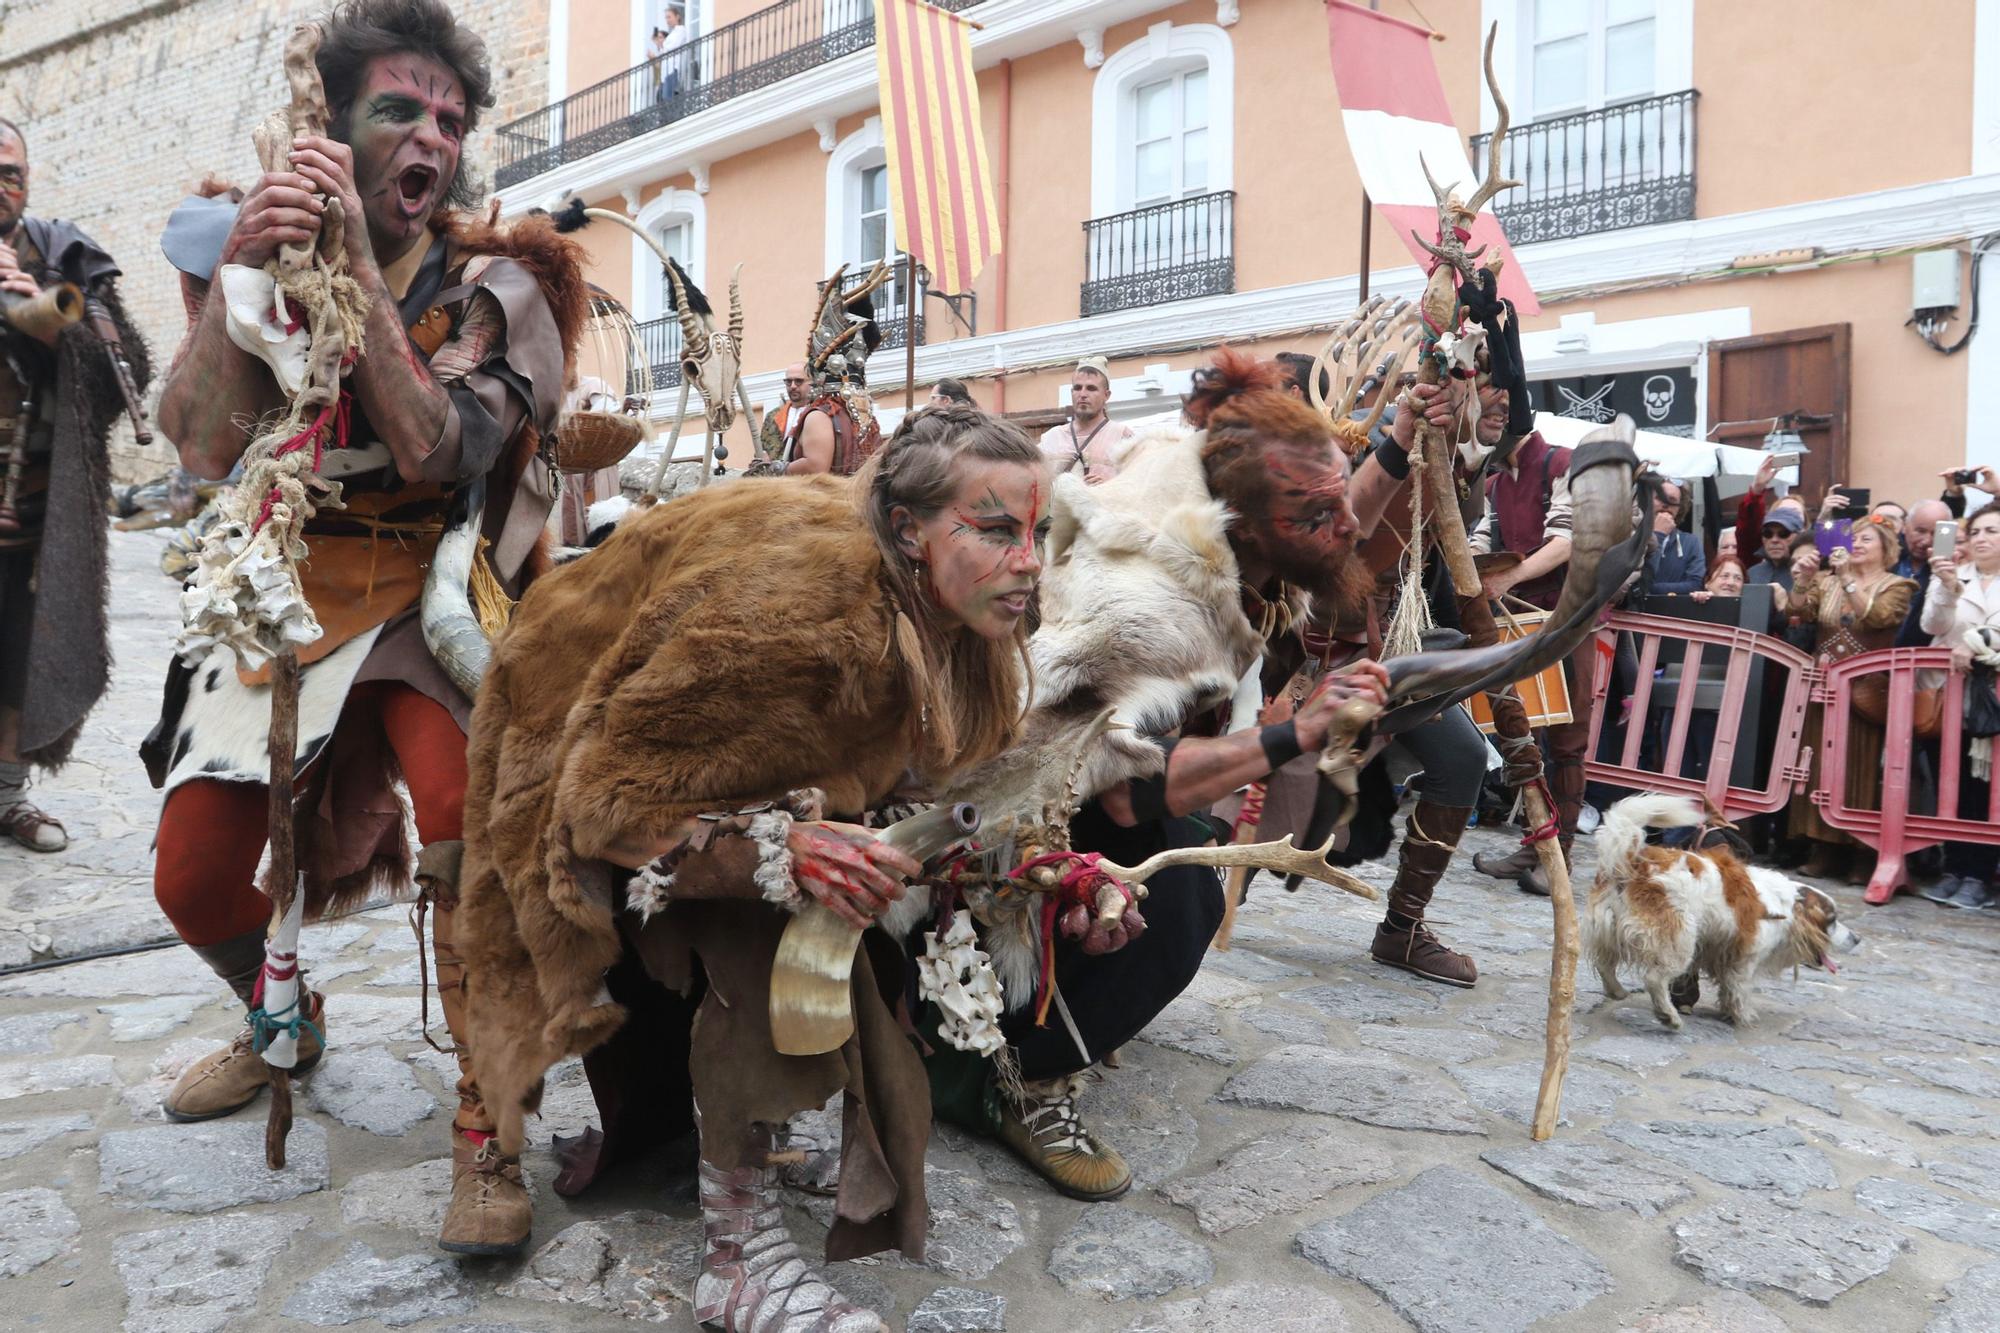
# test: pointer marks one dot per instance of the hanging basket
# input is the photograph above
(587, 441)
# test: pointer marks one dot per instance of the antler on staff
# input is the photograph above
(1454, 213)
(1279, 857)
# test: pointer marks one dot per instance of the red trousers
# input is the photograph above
(212, 833)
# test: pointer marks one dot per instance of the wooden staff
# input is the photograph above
(284, 876)
(1511, 723)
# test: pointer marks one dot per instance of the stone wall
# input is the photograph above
(127, 104)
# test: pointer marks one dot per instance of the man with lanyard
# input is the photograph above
(467, 351)
(54, 485)
(1090, 437)
(779, 421)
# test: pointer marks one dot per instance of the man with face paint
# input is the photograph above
(1295, 513)
(56, 411)
(467, 351)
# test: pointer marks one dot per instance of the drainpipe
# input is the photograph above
(1006, 216)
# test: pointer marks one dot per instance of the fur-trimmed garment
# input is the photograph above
(352, 834)
(68, 651)
(720, 650)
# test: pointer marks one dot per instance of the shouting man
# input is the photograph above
(57, 401)
(466, 359)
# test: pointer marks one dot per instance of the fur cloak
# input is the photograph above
(719, 650)
(69, 654)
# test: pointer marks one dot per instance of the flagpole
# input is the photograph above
(1367, 210)
(910, 308)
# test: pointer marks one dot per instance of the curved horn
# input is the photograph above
(736, 307)
(451, 630)
(1606, 549)
(694, 338)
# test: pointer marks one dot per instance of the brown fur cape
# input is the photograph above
(716, 651)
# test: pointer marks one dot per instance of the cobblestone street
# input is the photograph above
(1320, 1144)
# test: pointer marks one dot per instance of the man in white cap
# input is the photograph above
(1091, 438)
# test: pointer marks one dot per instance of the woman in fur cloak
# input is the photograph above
(701, 697)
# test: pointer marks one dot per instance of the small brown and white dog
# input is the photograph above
(1663, 910)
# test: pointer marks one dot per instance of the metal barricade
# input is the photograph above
(1894, 830)
(1745, 652)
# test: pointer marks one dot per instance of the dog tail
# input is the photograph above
(1623, 832)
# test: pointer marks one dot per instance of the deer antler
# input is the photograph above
(1493, 183)
(1279, 857)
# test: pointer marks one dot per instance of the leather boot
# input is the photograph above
(230, 1079)
(752, 1274)
(1430, 836)
(1045, 1131)
(490, 1212)
(1510, 867)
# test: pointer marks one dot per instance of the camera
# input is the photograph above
(1965, 476)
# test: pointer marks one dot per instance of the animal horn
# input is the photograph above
(450, 628)
(694, 338)
(736, 306)
(1494, 183)
(1606, 549)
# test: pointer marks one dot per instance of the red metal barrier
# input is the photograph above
(1788, 772)
(1893, 831)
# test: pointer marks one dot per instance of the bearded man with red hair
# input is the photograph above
(1291, 510)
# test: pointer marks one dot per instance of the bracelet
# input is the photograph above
(1281, 743)
(1394, 458)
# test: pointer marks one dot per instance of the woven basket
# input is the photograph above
(587, 441)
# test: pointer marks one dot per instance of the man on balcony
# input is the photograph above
(1091, 440)
(673, 65)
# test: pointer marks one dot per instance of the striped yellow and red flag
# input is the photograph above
(940, 186)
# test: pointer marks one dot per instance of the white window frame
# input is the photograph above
(850, 157)
(1167, 48)
(1513, 54)
(648, 287)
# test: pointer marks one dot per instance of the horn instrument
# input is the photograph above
(45, 314)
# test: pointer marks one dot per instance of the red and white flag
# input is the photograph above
(1397, 123)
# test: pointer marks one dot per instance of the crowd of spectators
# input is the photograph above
(1846, 575)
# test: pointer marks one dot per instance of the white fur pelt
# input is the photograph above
(225, 728)
(1141, 614)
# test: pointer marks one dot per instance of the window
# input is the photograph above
(872, 222)
(1162, 126)
(677, 219)
(1169, 156)
(1591, 53)
(676, 237)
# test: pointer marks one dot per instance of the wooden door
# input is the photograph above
(1802, 371)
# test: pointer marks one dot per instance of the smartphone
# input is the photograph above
(1835, 534)
(1858, 499)
(1945, 541)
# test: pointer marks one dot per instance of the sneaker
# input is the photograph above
(1972, 895)
(1045, 1131)
(1943, 890)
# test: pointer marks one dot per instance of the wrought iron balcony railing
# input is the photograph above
(892, 303)
(775, 43)
(1160, 253)
(1630, 165)
(660, 342)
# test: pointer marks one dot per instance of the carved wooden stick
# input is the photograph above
(1562, 970)
(284, 877)
(1448, 525)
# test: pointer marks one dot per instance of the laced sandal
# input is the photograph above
(33, 827)
(753, 1278)
(1045, 1130)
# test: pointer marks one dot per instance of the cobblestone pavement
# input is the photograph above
(1320, 1144)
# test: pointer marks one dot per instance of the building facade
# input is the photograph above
(127, 104)
(1721, 210)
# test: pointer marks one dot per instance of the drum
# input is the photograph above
(1545, 695)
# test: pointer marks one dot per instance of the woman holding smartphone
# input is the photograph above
(1964, 596)
(1854, 604)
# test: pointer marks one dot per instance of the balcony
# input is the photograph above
(660, 344)
(1630, 165)
(1160, 253)
(770, 45)
(892, 304)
